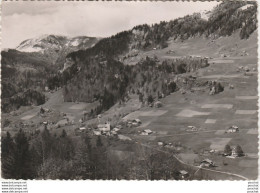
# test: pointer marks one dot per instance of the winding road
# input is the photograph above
(198, 167)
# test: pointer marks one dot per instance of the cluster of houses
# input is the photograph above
(146, 132)
(105, 129)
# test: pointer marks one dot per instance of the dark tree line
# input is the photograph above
(42, 155)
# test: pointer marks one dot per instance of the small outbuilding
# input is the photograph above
(158, 104)
(207, 163)
(183, 174)
(233, 129)
(104, 127)
(148, 131)
(97, 132)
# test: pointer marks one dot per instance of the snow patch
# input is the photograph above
(30, 49)
(205, 14)
(75, 42)
(245, 7)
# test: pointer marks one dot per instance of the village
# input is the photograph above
(140, 124)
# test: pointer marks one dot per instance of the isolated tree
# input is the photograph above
(7, 144)
(63, 134)
(141, 97)
(227, 150)
(63, 147)
(22, 163)
(99, 142)
(150, 99)
(239, 151)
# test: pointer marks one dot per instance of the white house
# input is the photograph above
(97, 132)
(104, 127)
(160, 143)
(148, 131)
(82, 128)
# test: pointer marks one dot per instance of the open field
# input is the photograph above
(213, 115)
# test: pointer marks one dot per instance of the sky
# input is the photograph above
(23, 20)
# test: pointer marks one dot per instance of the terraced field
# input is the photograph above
(212, 115)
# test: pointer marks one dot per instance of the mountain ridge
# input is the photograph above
(78, 65)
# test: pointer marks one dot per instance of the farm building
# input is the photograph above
(182, 174)
(207, 163)
(160, 143)
(113, 132)
(192, 128)
(158, 104)
(124, 138)
(97, 132)
(104, 127)
(82, 128)
(233, 129)
(148, 131)
(138, 121)
(143, 133)
(115, 129)
(135, 122)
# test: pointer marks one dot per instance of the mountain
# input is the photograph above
(56, 43)
(138, 60)
(27, 68)
(56, 47)
(93, 71)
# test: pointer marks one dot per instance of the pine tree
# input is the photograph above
(99, 142)
(22, 163)
(7, 157)
(227, 150)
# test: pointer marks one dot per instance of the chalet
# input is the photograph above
(160, 143)
(104, 127)
(207, 163)
(192, 128)
(115, 129)
(183, 174)
(113, 132)
(148, 131)
(82, 128)
(138, 120)
(158, 104)
(134, 123)
(233, 129)
(143, 133)
(97, 132)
